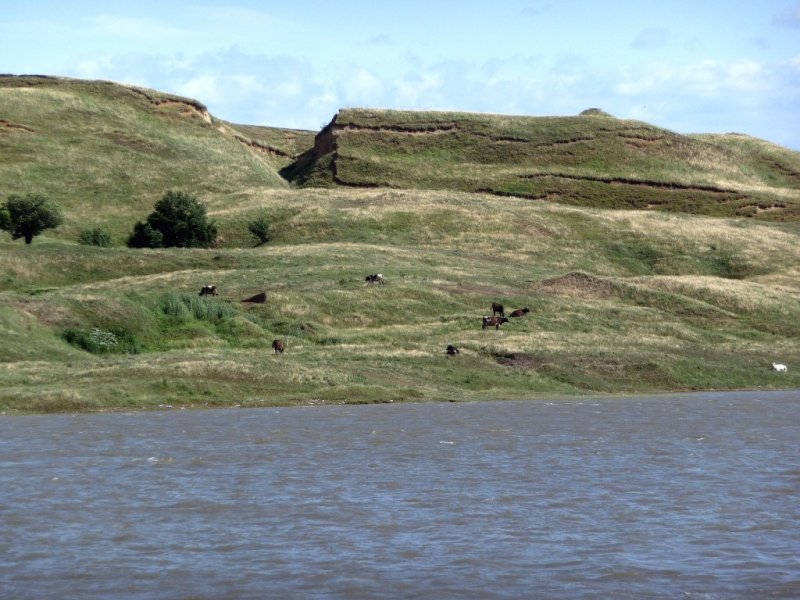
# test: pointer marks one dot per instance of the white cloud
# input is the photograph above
(746, 95)
(205, 88)
(362, 87)
(704, 78)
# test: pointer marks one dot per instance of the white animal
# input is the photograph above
(779, 367)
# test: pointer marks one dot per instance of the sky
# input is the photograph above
(699, 66)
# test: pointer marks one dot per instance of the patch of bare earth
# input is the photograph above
(42, 312)
(577, 284)
(5, 125)
(521, 361)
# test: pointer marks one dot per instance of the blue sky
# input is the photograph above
(690, 66)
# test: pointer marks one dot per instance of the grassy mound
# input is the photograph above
(589, 160)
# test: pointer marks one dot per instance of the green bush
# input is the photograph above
(144, 236)
(99, 341)
(96, 236)
(259, 227)
(178, 221)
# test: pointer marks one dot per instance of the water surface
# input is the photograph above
(678, 496)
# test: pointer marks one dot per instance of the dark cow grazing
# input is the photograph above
(493, 322)
(374, 278)
(259, 298)
(451, 350)
(278, 346)
(209, 290)
(497, 309)
(520, 312)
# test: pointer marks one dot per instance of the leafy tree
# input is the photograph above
(96, 236)
(259, 227)
(144, 236)
(180, 220)
(28, 216)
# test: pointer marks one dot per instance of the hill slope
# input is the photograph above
(98, 148)
(620, 300)
(588, 160)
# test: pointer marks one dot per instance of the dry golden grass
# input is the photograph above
(730, 294)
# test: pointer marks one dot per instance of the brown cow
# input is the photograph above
(278, 346)
(493, 321)
(520, 312)
(497, 309)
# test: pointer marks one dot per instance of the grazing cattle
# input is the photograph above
(520, 312)
(778, 367)
(374, 278)
(493, 321)
(497, 309)
(452, 350)
(209, 290)
(259, 298)
(278, 346)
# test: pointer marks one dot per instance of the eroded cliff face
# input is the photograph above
(325, 140)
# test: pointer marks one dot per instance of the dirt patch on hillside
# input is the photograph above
(172, 108)
(644, 183)
(785, 170)
(521, 360)
(473, 290)
(43, 312)
(578, 285)
(129, 140)
(600, 367)
(6, 125)
(404, 129)
(261, 147)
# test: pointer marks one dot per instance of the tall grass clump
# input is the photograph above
(95, 236)
(187, 307)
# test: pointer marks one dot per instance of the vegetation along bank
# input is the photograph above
(648, 260)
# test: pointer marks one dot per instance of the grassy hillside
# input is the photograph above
(108, 152)
(620, 300)
(588, 160)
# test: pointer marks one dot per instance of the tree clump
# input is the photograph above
(177, 221)
(28, 216)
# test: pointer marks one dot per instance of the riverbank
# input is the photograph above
(619, 302)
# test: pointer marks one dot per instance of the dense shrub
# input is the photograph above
(180, 220)
(99, 341)
(96, 236)
(259, 227)
(144, 236)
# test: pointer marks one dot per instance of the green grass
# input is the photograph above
(651, 305)
(596, 161)
(107, 153)
(621, 300)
